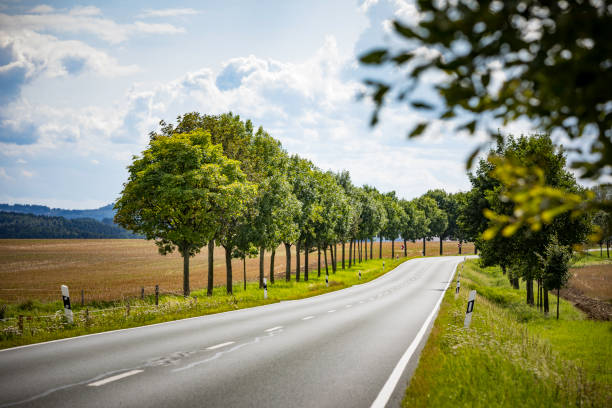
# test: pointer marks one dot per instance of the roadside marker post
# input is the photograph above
(327, 280)
(458, 286)
(383, 266)
(67, 308)
(265, 288)
(470, 309)
(359, 275)
(156, 295)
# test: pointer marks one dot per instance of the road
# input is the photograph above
(340, 349)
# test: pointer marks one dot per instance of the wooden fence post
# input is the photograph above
(21, 324)
(82, 298)
(156, 295)
(142, 292)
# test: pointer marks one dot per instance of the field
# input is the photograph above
(512, 354)
(590, 286)
(116, 269)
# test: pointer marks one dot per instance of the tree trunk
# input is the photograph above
(405, 249)
(601, 249)
(319, 260)
(546, 305)
(325, 257)
(297, 261)
(371, 246)
(608, 248)
(228, 270)
(186, 274)
(558, 290)
(475, 250)
(343, 254)
(539, 301)
(272, 265)
(504, 270)
(288, 263)
(441, 242)
(460, 245)
(380, 247)
(306, 262)
(335, 259)
(365, 247)
(529, 283)
(423, 246)
(244, 271)
(331, 258)
(516, 283)
(350, 252)
(262, 254)
(211, 265)
(393, 248)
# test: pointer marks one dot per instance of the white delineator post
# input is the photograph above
(458, 286)
(383, 266)
(470, 309)
(359, 275)
(265, 288)
(67, 308)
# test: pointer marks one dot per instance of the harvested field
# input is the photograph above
(590, 289)
(117, 268)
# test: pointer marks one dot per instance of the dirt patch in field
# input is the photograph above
(590, 289)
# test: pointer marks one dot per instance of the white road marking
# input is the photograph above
(273, 328)
(348, 305)
(331, 311)
(361, 301)
(220, 345)
(385, 393)
(114, 378)
(308, 318)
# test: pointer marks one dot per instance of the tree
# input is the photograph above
(544, 61)
(414, 223)
(521, 250)
(177, 189)
(556, 267)
(436, 218)
(447, 203)
(395, 214)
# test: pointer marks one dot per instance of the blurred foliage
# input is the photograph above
(490, 61)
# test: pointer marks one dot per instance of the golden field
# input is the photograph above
(111, 269)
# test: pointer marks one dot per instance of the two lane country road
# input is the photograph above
(348, 348)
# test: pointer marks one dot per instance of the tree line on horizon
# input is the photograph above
(215, 180)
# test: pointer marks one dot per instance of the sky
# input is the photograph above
(83, 83)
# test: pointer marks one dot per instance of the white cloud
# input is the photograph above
(82, 20)
(27, 173)
(4, 175)
(45, 54)
(42, 9)
(171, 12)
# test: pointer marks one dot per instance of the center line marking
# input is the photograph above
(348, 305)
(273, 328)
(361, 301)
(308, 318)
(114, 378)
(331, 311)
(219, 345)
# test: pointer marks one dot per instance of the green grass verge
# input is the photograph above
(591, 258)
(512, 355)
(104, 316)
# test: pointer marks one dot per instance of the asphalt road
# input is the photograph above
(335, 350)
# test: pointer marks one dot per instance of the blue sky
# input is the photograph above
(83, 83)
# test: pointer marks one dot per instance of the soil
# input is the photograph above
(590, 290)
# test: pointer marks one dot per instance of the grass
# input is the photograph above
(111, 269)
(110, 315)
(512, 355)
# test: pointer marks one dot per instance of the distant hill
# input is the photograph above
(99, 214)
(18, 225)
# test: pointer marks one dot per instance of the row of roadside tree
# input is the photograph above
(215, 180)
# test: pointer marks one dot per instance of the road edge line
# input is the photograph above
(387, 390)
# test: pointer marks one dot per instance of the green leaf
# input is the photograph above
(418, 129)
(402, 58)
(374, 57)
(422, 105)
(404, 31)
